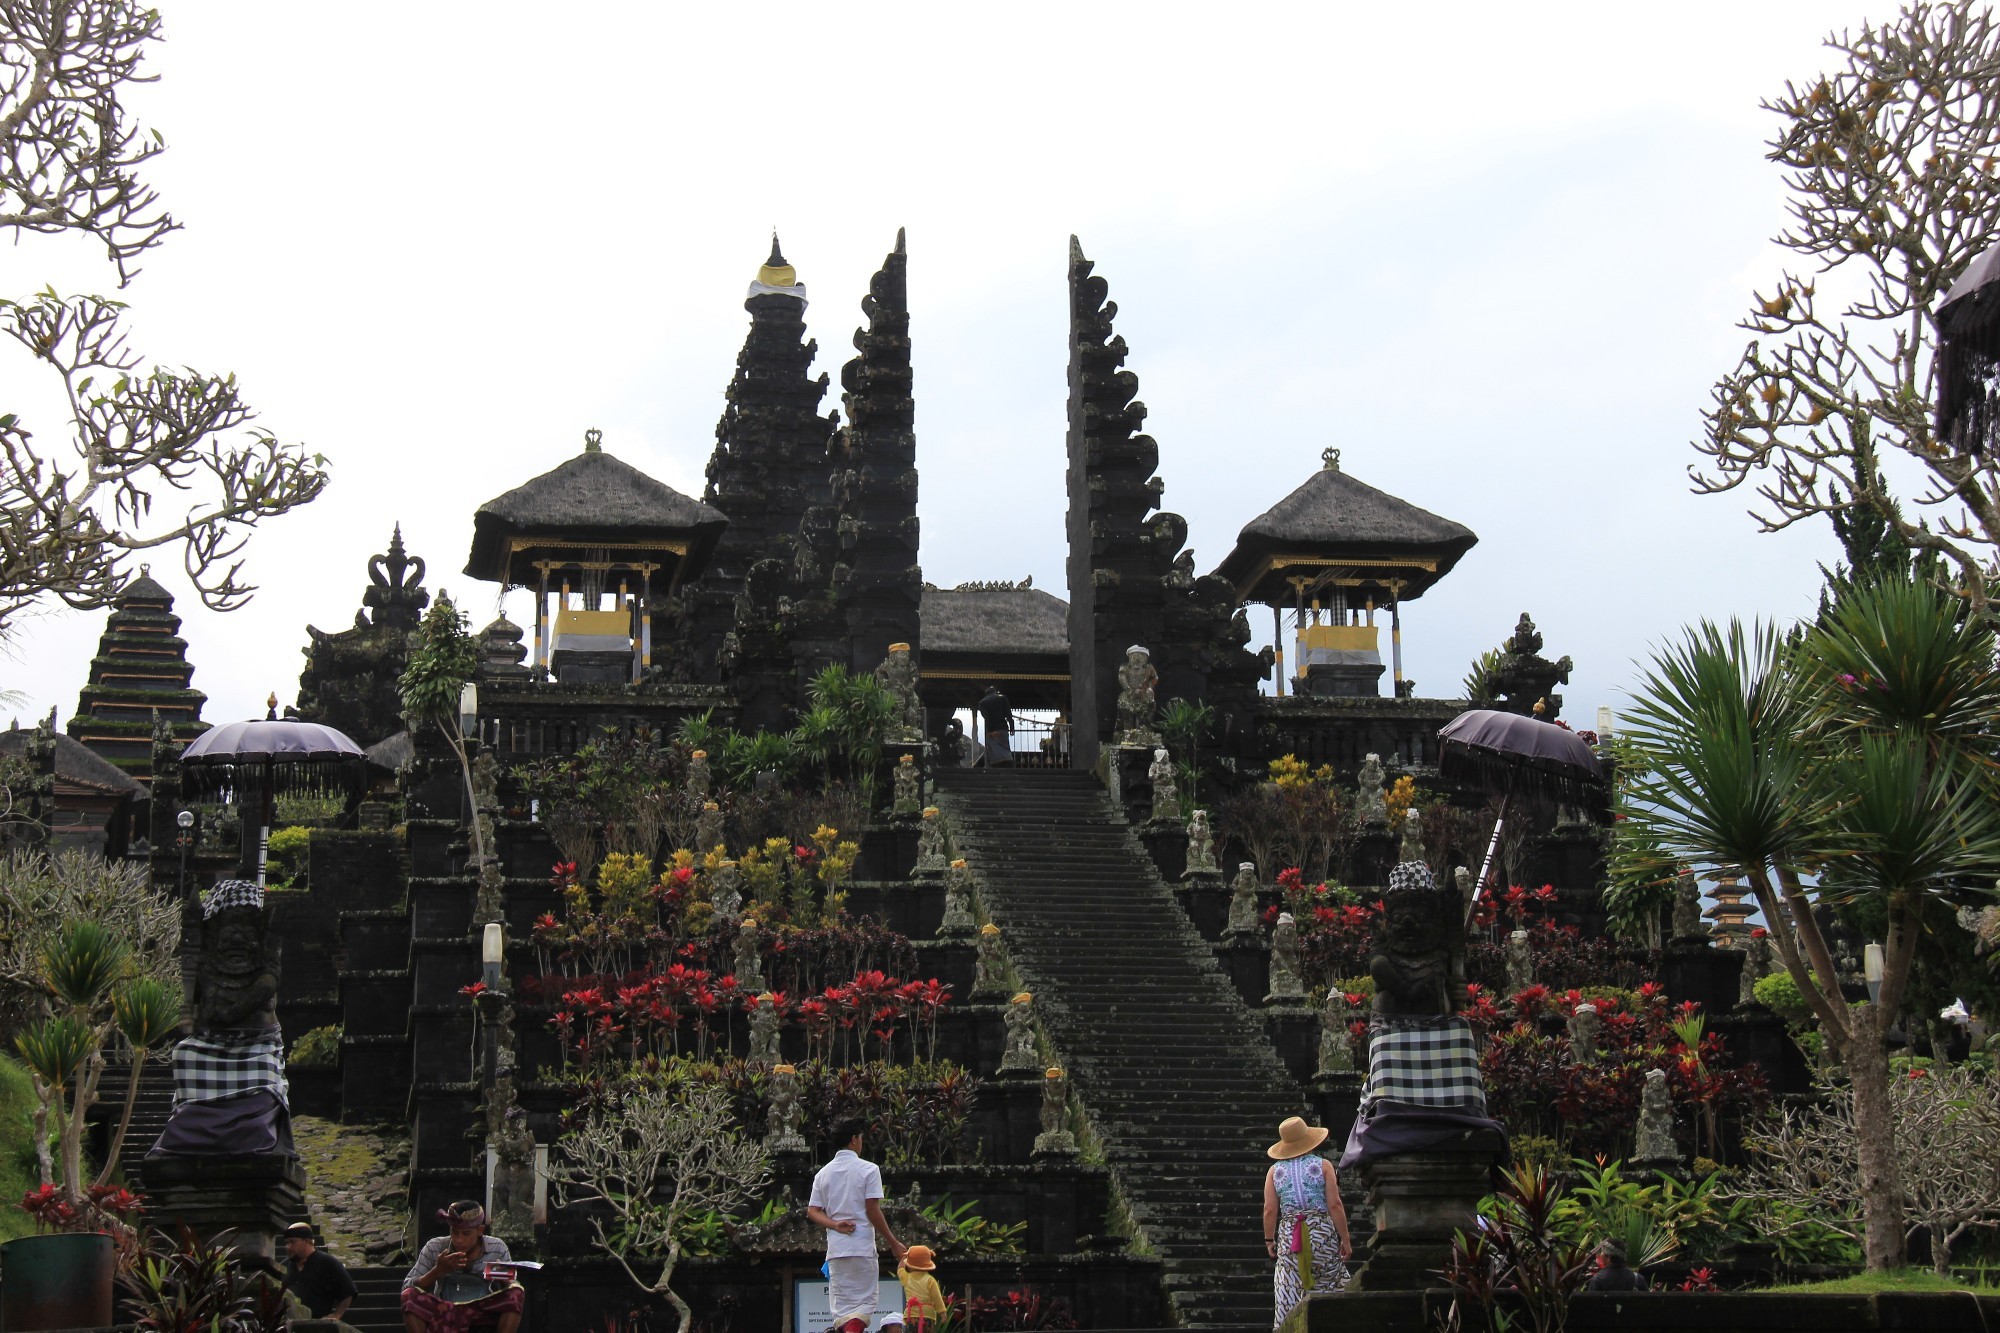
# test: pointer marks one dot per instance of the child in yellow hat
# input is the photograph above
(924, 1301)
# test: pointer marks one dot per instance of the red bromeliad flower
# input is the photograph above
(805, 855)
(563, 874)
(476, 988)
(1291, 879)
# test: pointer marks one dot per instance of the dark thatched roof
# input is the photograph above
(592, 498)
(991, 621)
(1334, 516)
(143, 589)
(76, 763)
(392, 752)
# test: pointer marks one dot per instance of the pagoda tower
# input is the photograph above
(140, 671)
(770, 461)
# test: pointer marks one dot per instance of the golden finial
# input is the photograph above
(776, 272)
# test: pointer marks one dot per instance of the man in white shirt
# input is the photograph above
(847, 1201)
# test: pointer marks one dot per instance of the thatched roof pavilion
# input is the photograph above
(979, 634)
(594, 527)
(1338, 525)
(1338, 547)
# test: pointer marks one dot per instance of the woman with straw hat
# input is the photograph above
(1305, 1224)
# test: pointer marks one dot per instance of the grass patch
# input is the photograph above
(1897, 1280)
(18, 1173)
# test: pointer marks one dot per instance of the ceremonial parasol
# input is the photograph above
(1519, 757)
(264, 757)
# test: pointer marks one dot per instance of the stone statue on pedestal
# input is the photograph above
(708, 828)
(1655, 1145)
(898, 678)
(908, 801)
(1166, 794)
(748, 956)
(1201, 846)
(1520, 962)
(990, 967)
(1412, 848)
(1021, 1056)
(1419, 957)
(958, 917)
(727, 894)
(1689, 928)
(1243, 902)
(1137, 681)
(764, 1030)
(698, 777)
(1369, 805)
(513, 1145)
(782, 1135)
(1055, 1140)
(1336, 1049)
(229, 1075)
(1286, 985)
(1584, 1026)
(930, 843)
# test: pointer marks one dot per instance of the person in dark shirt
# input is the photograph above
(314, 1276)
(1612, 1274)
(998, 714)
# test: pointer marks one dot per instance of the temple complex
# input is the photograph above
(1096, 923)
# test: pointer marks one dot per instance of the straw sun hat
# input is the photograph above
(919, 1258)
(1295, 1139)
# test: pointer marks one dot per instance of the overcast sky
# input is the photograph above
(1494, 254)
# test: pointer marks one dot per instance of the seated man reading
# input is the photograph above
(447, 1291)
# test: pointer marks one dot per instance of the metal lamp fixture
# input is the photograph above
(185, 819)
(1871, 971)
(492, 952)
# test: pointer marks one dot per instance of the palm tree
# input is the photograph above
(1849, 761)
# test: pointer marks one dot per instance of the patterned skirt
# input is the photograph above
(442, 1316)
(1315, 1266)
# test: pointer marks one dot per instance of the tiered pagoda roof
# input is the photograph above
(141, 668)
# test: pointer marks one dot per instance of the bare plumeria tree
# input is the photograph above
(1947, 1138)
(648, 1162)
(1893, 167)
(154, 458)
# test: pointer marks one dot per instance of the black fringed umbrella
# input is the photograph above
(1522, 758)
(260, 759)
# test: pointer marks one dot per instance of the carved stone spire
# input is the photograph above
(1118, 555)
(351, 675)
(875, 477)
(770, 459)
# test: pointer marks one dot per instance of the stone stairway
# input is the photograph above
(1174, 1069)
(378, 1299)
(155, 1101)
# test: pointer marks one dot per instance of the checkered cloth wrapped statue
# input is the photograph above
(1423, 1065)
(229, 1074)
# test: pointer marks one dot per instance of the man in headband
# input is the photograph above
(442, 1292)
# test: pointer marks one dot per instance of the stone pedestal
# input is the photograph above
(1204, 896)
(1711, 977)
(1126, 772)
(1166, 842)
(1375, 854)
(1419, 1201)
(251, 1196)
(1021, 1099)
(1245, 960)
(1337, 1098)
(1294, 1031)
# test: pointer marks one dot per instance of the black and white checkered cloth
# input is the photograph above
(210, 1066)
(229, 893)
(1424, 1062)
(1410, 875)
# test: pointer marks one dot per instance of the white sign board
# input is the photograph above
(812, 1303)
